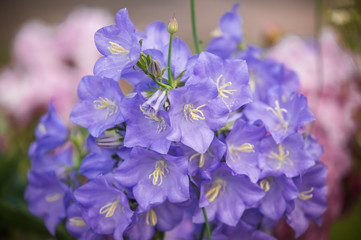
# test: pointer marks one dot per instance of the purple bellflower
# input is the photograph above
(227, 196)
(147, 122)
(230, 77)
(311, 202)
(57, 161)
(163, 217)
(46, 198)
(265, 73)
(98, 161)
(242, 231)
(50, 132)
(99, 105)
(279, 194)
(154, 177)
(119, 45)
(243, 148)
(194, 116)
(313, 148)
(202, 164)
(156, 36)
(179, 62)
(140, 229)
(285, 113)
(231, 37)
(77, 227)
(104, 207)
(288, 157)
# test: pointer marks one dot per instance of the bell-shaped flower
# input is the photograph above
(50, 132)
(288, 157)
(229, 76)
(154, 177)
(311, 202)
(313, 148)
(202, 164)
(283, 115)
(98, 161)
(99, 105)
(179, 63)
(156, 36)
(77, 227)
(231, 34)
(163, 217)
(119, 45)
(194, 115)
(104, 207)
(147, 123)
(57, 161)
(46, 199)
(265, 73)
(226, 197)
(242, 231)
(243, 148)
(280, 192)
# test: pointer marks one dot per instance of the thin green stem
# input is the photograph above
(202, 231)
(194, 27)
(170, 77)
(204, 213)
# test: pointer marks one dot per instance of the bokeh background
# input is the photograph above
(46, 46)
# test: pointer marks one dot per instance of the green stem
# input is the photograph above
(170, 77)
(161, 84)
(195, 36)
(204, 213)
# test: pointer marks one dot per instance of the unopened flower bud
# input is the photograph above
(109, 140)
(154, 103)
(155, 68)
(172, 26)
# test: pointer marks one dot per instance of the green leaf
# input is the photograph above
(180, 76)
(149, 59)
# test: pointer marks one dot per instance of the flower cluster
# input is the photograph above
(338, 94)
(214, 138)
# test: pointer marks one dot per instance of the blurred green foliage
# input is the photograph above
(347, 227)
(345, 17)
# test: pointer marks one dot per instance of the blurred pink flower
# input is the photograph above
(327, 78)
(48, 62)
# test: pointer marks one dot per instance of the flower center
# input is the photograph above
(218, 188)
(282, 157)
(277, 111)
(109, 208)
(201, 158)
(306, 194)
(54, 197)
(162, 125)
(245, 147)
(191, 113)
(117, 49)
(160, 171)
(111, 107)
(77, 221)
(151, 218)
(42, 128)
(222, 92)
(252, 82)
(265, 184)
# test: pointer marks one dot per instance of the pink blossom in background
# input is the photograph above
(48, 63)
(328, 81)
